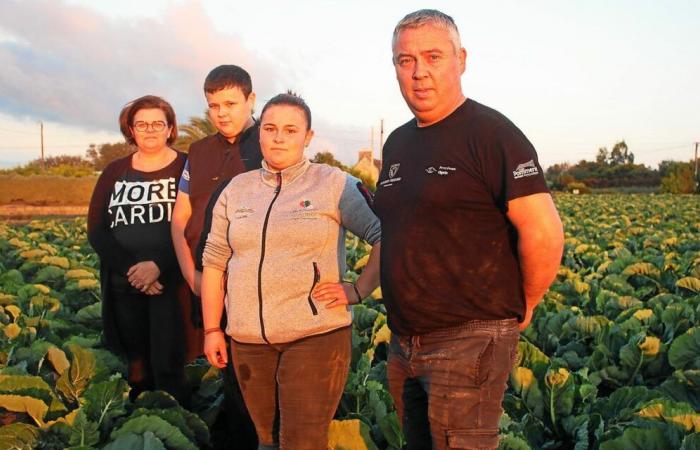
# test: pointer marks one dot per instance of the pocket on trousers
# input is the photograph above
(472, 439)
(483, 364)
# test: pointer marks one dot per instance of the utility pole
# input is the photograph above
(381, 138)
(696, 166)
(43, 163)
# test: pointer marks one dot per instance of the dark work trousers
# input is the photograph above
(292, 390)
(238, 422)
(150, 330)
(448, 385)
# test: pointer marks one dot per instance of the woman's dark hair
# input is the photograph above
(228, 76)
(126, 116)
(291, 99)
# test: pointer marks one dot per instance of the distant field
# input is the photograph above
(46, 190)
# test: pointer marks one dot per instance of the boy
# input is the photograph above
(211, 163)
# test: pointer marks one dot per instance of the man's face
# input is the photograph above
(428, 69)
(229, 111)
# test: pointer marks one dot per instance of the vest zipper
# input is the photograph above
(317, 278)
(262, 255)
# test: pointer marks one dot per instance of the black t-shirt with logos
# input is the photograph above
(449, 253)
(139, 211)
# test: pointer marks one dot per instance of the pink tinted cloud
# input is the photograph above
(73, 65)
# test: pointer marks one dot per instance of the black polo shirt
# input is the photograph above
(212, 162)
(449, 253)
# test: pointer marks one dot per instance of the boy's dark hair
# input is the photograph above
(291, 99)
(228, 76)
(126, 116)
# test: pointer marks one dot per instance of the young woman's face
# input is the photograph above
(150, 129)
(284, 134)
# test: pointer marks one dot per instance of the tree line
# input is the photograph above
(616, 169)
(97, 157)
(611, 169)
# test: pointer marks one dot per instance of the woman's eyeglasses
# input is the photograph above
(156, 126)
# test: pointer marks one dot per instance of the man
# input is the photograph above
(471, 241)
(212, 162)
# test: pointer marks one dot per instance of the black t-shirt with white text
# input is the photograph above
(449, 253)
(140, 210)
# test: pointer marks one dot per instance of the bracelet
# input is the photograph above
(213, 330)
(359, 297)
(354, 288)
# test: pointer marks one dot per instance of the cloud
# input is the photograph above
(72, 65)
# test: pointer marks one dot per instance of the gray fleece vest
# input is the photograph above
(279, 234)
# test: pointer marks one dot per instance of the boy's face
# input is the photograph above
(230, 111)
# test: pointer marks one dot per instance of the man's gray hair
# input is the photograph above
(433, 17)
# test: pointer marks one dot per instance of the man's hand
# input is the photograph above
(143, 274)
(527, 319)
(197, 285)
(215, 349)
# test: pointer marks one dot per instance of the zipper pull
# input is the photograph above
(279, 183)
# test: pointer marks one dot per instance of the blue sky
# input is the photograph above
(574, 76)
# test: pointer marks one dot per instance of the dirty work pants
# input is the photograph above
(292, 390)
(448, 385)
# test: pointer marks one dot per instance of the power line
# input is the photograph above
(664, 149)
(28, 133)
(49, 146)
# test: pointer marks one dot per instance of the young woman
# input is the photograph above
(279, 235)
(129, 228)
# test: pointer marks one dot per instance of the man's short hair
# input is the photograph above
(126, 116)
(433, 17)
(228, 76)
(291, 99)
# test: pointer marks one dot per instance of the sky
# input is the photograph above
(573, 76)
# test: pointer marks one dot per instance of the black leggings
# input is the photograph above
(150, 328)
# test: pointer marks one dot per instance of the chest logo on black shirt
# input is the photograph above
(142, 202)
(441, 170)
(393, 170)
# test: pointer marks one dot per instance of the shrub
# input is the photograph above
(578, 188)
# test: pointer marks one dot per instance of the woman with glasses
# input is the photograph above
(129, 228)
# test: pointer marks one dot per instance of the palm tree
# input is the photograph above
(196, 129)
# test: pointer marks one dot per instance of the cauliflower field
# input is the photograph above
(610, 361)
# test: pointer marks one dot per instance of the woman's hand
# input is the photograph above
(336, 294)
(215, 348)
(143, 274)
(153, 289)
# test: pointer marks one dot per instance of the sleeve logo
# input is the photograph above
(526, 169)
(394, 169)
